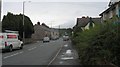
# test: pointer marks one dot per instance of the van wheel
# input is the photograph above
(21, 47)
(10, 48)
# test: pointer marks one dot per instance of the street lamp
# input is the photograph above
(24, 21)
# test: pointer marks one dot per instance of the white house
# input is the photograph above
(113, 10)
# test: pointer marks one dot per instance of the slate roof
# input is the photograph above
(82, 22)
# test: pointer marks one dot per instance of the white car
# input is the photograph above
(9, 41)
(46, 39)
(65, 38)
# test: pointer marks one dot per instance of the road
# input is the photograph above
(38, 53)
(65, 57)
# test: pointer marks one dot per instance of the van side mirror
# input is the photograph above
(19, 38)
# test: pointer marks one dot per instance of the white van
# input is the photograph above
(9, 41)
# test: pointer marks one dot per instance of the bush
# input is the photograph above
(99, 45)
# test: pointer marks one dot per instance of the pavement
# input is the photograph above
(67, 56)
(41, 54)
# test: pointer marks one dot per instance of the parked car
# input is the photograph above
(65, 38)
(46, 39)
(10, 41)
(54, 37)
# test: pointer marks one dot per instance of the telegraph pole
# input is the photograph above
(0, 15)
(59, 30)
(23, 23)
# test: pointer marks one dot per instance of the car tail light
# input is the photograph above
(5, 43)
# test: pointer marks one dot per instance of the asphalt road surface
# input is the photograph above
(38, 53)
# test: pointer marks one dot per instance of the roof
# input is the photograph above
(82, 22)
(113, 2)
(96, 20)
(110, 8)
(45, 28)
(41, 27)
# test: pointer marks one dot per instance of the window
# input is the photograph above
(12, 36)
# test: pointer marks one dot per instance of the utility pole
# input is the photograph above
(23, 23)
(59, 30)
(51, 24)
(0, 15)
(0, 31)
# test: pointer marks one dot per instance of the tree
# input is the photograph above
(15, 23)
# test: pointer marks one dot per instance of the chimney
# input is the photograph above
(38, 23)
(83, 16)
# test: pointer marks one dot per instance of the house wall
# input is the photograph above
(114, 10)
(104, 17)
(118, 10)
(40, 32)
(83, 23)
(87, 26)
(54, 34)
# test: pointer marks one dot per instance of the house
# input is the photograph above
(113, 10)
(113, 2)
(86, 22)
(40, 31)
(54, 33)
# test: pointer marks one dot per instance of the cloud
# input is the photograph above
(57, 0)
(68, 24)
(56, 13)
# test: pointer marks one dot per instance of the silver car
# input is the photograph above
(46, 39)
(65, 38)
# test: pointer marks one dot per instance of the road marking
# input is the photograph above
(67, 58)
(21, 52)
(61, 62)
(66, 45)
(32, 48)
(55, 56)
(13, 55)
(53, 41)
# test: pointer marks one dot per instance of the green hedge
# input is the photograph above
(99, 45)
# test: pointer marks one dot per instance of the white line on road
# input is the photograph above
(32, 48)
(55, 56)
(61, 62)
(66, 45)
(53, 41)
(13, 55)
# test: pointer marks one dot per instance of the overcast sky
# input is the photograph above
(56, 12)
